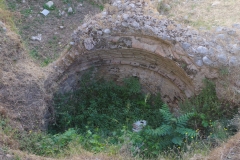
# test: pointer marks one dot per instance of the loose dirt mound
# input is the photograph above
(21, 93)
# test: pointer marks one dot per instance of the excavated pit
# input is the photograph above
(155, 71)
(129, 38)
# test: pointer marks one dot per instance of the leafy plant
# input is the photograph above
(206, 107)
(34, 53)
(46, 144)
(173, 131)
(46, 61)
(103, 105)
(45, 6)
(92, 141)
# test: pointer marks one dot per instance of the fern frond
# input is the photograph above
(186, 131)
(165, 142)
(183, 119)
(167, 115)
(177, 140)
(160, 131)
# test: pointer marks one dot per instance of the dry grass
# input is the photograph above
(6, 16)
(75, 152)
(203, 13)
(228, 150)
(227, 84)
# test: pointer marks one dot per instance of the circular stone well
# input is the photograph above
(127, 40)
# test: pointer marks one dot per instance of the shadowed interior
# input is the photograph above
(155, 73)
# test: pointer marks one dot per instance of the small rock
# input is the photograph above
(219, 48)
(234, 49)
(219, 29)
(128, 8)
(135, 24)
(221, 36)
(199, 62)
(45, 12)
(89, 43)
(4, 29)
(84, 25)
(9, 156)
(37, 38)
(207, 61)
(202, 50)
(124, 24)
(70, 10)
(104, 14)
(211, 51)
(132, 5)
(166, 7)
(215, 3)
(99, 33)
(61, 13)
(232, 32)
(79, 7)
(237, 26)
(49, 4)
(233, 61)
(222, 58)
(107, 31)
(125, 16)
(186, 45)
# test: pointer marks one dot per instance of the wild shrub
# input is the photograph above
(206, 107)
(46, 144)
(171, 133)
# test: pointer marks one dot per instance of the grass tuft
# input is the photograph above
(6, 16)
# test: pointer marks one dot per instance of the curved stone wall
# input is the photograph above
(130, 38)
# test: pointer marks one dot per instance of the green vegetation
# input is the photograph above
(46, 144)
(206, 107)
(105, 105)
(35, 55)
(6, 16)
(26, 12)
(98, 117)
(223, 71)
(53, 7)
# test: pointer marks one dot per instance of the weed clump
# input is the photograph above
(104, 105)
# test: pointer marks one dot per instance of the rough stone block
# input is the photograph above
(233, 61)
(136, 44)
(202, 50)
(207, 61)
(160, 51)
(222, 58)
(199, 62)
